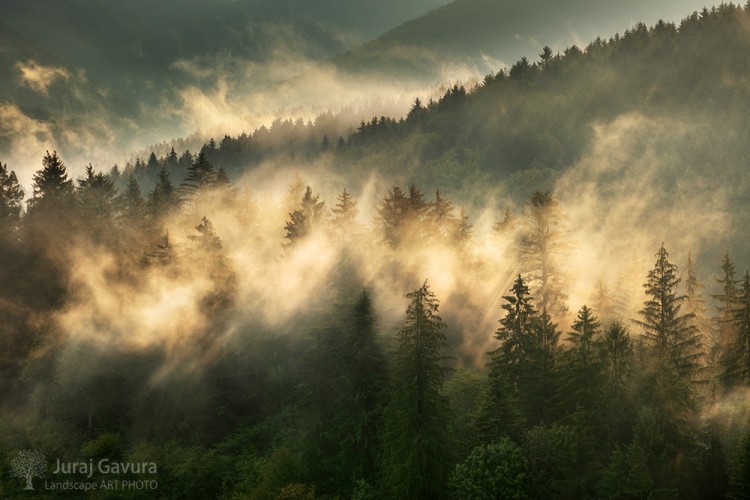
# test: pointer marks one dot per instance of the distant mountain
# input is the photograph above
(478, 36)
(114, 71)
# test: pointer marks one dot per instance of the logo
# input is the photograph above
(28, 465)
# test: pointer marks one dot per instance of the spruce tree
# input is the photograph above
(673, 336)
(538, 384)
(726, 301)
(443, 223)
(11, 198)
(675, 350)
(344, 214)
(737, 359)
(360, 404)
(304, 220)
(52, 189)
(541, 242)
(131, 200)
(414, 461)
(501, 414)
(162, 197)
(583, 358)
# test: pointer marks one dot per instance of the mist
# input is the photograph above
(251, 305)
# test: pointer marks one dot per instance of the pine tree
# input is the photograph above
(443, 222)
(538, 385)
(162, 197)
(304, 220)
(11, 199)
(360, 405)
(462, 233)
(132, 201)
(540, 244)
(402, 217)
(582, 358)
(414, 461)
(52, 190)
(152, 164)
(726, 300)
(676, 341)
(97, 198)
(695, 303)
(617, 352)
(96, 195)
(344, 214)
(200, 177)
(675, 350)
(737, 359)
(501, 413)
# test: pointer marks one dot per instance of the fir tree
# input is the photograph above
(415, 449)
(726, 298)
(132, 200)
(52, 189)
(583, 363)
(305, 219)
(676, 341)
(344, 214)
(737, 359)
(162, 197)
(540, 245)
(500, 409)
(443, 222)
(538, 384)
(11, 198)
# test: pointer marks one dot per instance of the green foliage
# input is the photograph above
(496, 470)
(561, 461)
(582, 360)
(737, 358)
(414, 459)
(540, 245)
(11, 196)
(740, 487)
(305, 219)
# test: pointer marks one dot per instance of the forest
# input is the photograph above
(482, 299)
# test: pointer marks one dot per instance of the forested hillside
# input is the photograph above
(532, 288)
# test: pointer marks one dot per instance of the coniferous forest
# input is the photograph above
(535, 286)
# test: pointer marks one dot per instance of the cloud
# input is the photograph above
(38, 77)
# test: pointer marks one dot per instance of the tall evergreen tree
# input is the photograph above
(538, 385)
(500, 409)
(344, 214)
(52, 189)
(162, 197)
(675, 339)
(541, 243)
(675, 350)
(97, 201)
(583, 358)
(415, 449)
(515, 330)
(726, 304)
(617, 353)
(11, 198)
(443, 223)
(402, 217)
(131, 200)
(360, 405)
(737, 358)
(305, 219)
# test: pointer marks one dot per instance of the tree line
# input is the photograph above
(600, 406)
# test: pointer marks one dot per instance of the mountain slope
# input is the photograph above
(484, 35)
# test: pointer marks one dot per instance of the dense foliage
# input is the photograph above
(252, 350)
